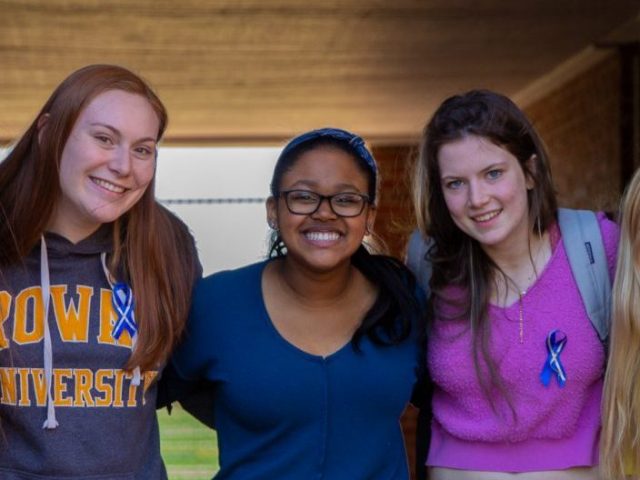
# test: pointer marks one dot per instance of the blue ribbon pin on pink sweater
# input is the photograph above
(556, 341)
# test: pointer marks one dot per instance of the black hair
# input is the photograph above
(389, 321)
(289, 158)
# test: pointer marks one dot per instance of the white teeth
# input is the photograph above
(322, 236)
(108, 185)
(486, 216)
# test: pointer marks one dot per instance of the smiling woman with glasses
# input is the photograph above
(309, 357)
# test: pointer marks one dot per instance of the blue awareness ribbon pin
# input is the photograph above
(122, 300)
(556, 341)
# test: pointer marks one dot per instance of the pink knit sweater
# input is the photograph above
(554, 428)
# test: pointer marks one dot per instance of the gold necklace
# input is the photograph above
(521, 317)
(522, 293)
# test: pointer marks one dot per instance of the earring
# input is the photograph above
(272, 225)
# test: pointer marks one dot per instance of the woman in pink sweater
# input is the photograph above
(516, 363)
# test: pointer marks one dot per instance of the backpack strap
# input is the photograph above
(583, 243)
(417, 259)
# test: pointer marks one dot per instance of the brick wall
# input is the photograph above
(395, 214)
(580, 123)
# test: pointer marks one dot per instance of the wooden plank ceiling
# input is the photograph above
(247, 71)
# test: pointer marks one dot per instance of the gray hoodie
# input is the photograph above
(107, 426)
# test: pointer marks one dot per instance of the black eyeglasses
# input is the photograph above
(306, 202)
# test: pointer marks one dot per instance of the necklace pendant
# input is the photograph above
(520, 321)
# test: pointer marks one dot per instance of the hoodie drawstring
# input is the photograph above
(51, 422)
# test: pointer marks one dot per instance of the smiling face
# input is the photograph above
(322, 240)
(107, 163)
(485, 190)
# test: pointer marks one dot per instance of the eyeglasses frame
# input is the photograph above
(322, 198)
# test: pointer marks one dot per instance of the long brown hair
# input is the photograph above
(458, 259)
(149, 242)
(620, 437)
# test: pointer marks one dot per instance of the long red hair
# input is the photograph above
(152, 248)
